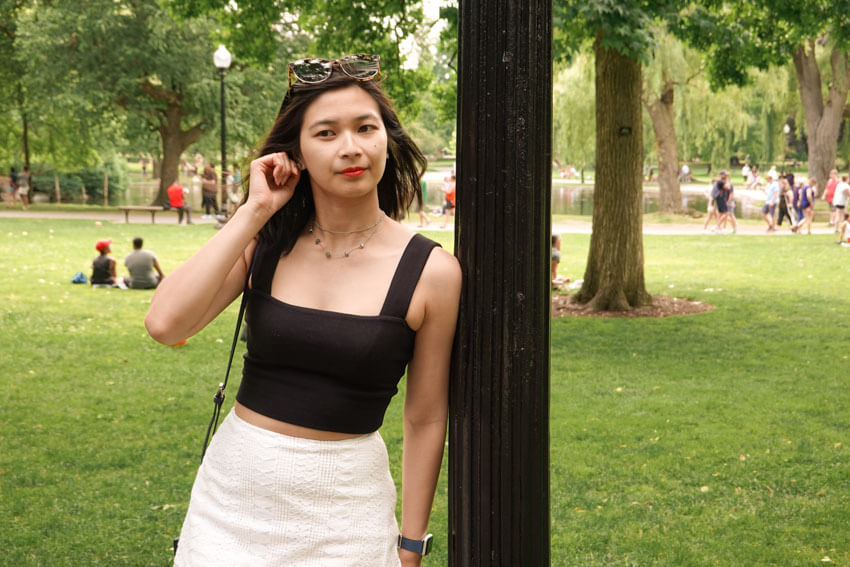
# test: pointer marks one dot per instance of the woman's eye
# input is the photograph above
(324, 133)
(368, 127)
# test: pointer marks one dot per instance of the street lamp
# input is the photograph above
(221, 58)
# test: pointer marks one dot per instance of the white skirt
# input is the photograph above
(266, 499)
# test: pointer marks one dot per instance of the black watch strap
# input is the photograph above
(420, 546)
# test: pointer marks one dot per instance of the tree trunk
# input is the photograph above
(663, 125)
(174, 142)
(823, 120)
(613, 279)
(25, 126)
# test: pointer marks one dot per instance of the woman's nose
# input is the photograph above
(349, 144)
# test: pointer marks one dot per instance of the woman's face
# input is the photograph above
(344, 143)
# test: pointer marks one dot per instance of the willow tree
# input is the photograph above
(815, 36)
(573, 114)
(670, 70)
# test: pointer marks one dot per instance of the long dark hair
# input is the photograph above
(397, 189)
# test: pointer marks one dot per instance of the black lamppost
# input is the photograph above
(222, 59)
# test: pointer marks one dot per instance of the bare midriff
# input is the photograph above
(277, 426)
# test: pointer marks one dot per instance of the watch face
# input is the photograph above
(426, 544)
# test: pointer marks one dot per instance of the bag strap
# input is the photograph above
(218, 399)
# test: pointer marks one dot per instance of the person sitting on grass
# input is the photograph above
(141, 264)
(556, 259)
(103, 267)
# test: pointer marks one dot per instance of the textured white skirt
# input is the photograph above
(266, 499)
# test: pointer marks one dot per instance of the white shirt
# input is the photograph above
(842, 193)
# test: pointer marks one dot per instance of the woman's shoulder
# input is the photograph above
(442, 271)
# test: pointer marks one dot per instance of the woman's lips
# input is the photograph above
(353, 171)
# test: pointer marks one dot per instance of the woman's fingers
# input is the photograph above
(278, 168)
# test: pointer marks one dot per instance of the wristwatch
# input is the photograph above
(420, 546)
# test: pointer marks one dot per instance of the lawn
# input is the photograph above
(714, 439)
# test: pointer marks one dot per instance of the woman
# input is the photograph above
(24, 187)
(808, 194)
(103, 266)
(209, 189)
(341, 297)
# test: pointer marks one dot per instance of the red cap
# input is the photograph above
(103, 244)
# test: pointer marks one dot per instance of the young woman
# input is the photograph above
(341, 298)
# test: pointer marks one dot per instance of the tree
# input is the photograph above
(131, 59)
(622, 37)
(256, 28)
(573, 123)
(672, 67)
(760, 33)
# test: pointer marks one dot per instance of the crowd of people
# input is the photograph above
(787, 197)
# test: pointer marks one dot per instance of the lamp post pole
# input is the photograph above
(499, 397)
(222, 59)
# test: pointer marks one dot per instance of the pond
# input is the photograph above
(573, 200)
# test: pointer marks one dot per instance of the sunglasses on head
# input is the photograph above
(360, 66)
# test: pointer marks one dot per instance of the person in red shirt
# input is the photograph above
(834, 218)
(175, 199)
(449, 206)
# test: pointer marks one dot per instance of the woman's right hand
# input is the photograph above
(273, 180)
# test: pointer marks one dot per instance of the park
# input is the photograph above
(597, 434)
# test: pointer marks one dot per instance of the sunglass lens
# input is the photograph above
(311, 70)
(360, 66)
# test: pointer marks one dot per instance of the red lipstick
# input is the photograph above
(353, 171)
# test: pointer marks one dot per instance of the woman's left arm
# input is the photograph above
(426, 400)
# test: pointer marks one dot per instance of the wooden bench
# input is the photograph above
(153, 210)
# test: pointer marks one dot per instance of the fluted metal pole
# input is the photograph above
(499, 408)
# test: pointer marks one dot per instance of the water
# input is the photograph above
(143, 193)
(573, 200)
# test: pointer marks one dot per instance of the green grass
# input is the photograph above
(714, 439)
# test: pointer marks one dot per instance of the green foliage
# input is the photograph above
(736, 36)
(573, 116)
(71, 183)
(255, 28)
(625, 26)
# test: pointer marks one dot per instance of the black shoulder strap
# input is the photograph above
(407, 275)
(218, 399)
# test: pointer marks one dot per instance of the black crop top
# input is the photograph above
(323, 369)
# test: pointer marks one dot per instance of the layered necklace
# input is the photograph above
(371, 229)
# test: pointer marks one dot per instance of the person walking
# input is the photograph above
(786, 203)
(828, 194)
(209, 190)
(341, 299)
(12, 197)
(841, 196)
(23, 189)
(424, 219)
(808, 194)
(711, 204)
(450, 191)
(768, 211)
(177, 195)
